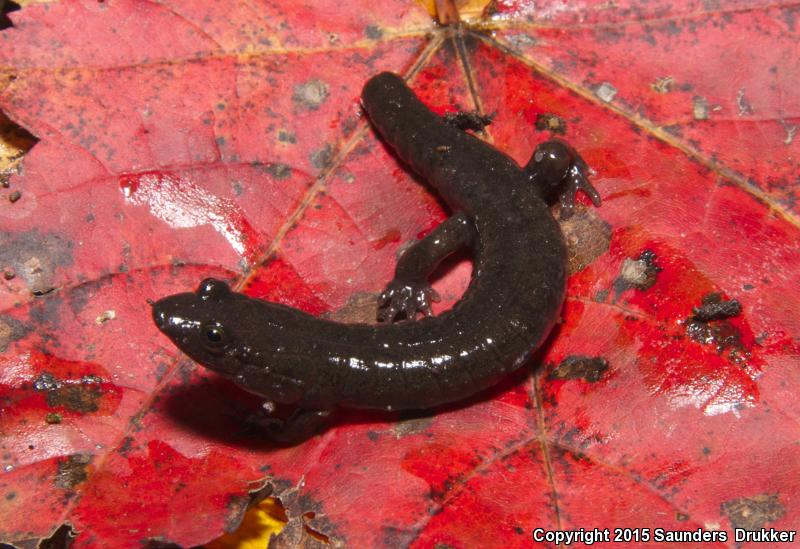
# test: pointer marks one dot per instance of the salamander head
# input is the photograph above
(234, 335)
(198, 323)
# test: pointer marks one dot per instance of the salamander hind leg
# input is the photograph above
(409, 293)
(558, 172)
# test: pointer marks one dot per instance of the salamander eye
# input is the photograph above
(214, 336)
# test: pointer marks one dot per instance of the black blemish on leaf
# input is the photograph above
(126, 446)
(580, 367)
(709, 325)
(722, 334)
(640, 273)
(72, 471)
(551, 123)
(286, 136)
(321, 159)
(279, 171)
(35, 257)
(715, 308)
(310, 95)
(80, 396)
(753, 513)
(373, 32)
(11, 330)
(392, 536)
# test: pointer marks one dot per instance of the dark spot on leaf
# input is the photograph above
(81, 396)
(373, 32)
(709, 325)
(35, 257)
(674, 130)
(587, 237)
(10, 496)
(753, 513)
(321, 159)
(11, 330)
(551, 123)
(640, 273)
(279, 171)
(715, 308)
(392, 536)
(286, 136)
(580, 367)
(72, 471)
(373, 436)
(310, 95)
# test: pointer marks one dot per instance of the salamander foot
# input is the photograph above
(299, 426)
(406, 298)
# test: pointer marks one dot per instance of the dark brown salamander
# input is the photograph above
(499, 211)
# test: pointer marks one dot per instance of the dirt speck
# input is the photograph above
(580, 367)
(753, 513)
(72, 471)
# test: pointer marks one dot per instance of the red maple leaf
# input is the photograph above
(179, 140)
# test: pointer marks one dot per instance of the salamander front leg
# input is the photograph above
(300, 425)
(409, 292)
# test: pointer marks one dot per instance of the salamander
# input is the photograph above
(410, 359)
